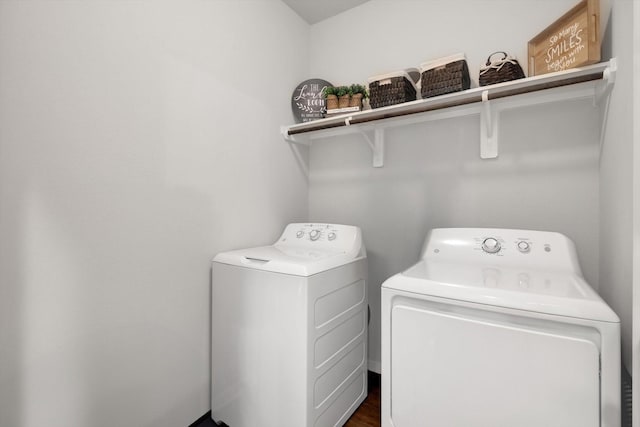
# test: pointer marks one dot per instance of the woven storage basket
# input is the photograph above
(332, 102)
(393, 88)
(444, 75)
(501, 70)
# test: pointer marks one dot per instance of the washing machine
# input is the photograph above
(289, 330)
(498, 328)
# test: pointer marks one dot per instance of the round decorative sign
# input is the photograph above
(307, 102)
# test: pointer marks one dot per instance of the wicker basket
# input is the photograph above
(444, 75)
(332, 102)
(498, 71)
(356, 100)
(393, 88)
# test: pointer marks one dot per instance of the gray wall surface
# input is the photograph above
(137, 140)
(546, 176)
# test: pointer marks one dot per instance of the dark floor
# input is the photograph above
(368, 414)
(626, 399)
(204, 421)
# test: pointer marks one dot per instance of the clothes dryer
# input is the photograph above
(498, 328)
(289, 330)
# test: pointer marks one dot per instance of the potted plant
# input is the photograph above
(331, 100)
(358, 93)
(344, 96)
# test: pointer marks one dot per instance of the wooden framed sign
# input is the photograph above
(572, 41)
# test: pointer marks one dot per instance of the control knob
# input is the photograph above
(314, 235)
(299, 234)
(491, 245)
(332, 236)
(523, 246)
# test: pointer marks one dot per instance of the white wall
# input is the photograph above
(137, 139)
(616, 180)
(546, 176)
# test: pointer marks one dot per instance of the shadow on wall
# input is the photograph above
(606, 42)
(95, 302)
(545, 178)
(11, 306)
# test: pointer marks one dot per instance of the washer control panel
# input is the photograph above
(321, 236)
(316, 232)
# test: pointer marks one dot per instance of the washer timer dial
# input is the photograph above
(491, 245)
(314, 235)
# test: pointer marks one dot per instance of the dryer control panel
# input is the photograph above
(321, 236)
(503, 247)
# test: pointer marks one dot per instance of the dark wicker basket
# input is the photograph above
(500, 71)
(446, 78)
(391, 91)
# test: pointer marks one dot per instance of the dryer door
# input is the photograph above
(461, 365)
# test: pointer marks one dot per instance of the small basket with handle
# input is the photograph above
(501, 70)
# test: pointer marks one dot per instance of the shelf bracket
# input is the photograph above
(489, 118)
(602, 96)
(604, 88)
(284, 130)
(294, 144)
(376, 145)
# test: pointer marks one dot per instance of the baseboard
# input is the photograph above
(374, 366)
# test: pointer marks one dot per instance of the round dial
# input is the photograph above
(523, 246)
(299, 234)
(491, 245)
(332, 236)
(314, 234)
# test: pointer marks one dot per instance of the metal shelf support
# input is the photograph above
(602, 96)
(376, 145)
(488, 129)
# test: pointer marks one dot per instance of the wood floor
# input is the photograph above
(368, 414)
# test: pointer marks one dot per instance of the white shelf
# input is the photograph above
(593, 81)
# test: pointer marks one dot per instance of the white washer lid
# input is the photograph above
(549, 292)
(286, 260)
